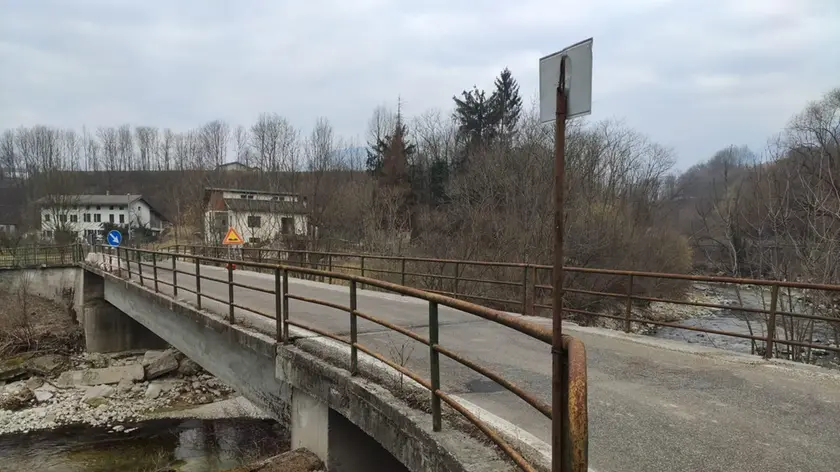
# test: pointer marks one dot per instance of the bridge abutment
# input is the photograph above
(107, 328)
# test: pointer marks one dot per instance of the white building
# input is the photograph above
(85, 215)
(257, 216)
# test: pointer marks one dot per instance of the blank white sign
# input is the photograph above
(578, 81)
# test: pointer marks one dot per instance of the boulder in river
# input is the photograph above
(47, 365)
(108, 375)
(161, 365)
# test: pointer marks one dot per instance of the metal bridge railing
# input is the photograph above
(26, 256)
(786, 319)
(147, 267)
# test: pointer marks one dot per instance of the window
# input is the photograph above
(254, 221)
(111, 218)
(62, 218)
(122, 218)
(47, 218)
(74, 218)
(254, 240)
(97, 218)
(287, 225)
(86, 217)
(98, 207)
(112, 207)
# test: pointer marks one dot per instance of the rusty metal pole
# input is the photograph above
(559, 368)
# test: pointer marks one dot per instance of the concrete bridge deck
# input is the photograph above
(653, 405)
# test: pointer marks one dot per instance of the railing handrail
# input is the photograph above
(514, 322)
(590, 270)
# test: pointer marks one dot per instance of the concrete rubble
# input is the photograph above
(104, 390)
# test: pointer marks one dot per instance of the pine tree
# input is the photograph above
(388, 156)
(474, 115)
(506, 106)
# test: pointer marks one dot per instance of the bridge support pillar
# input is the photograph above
(107, 329)
(335, 439)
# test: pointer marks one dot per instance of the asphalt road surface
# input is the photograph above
(653, 405)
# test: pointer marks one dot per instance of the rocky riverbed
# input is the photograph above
(46, 391)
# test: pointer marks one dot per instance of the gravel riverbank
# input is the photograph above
(101, 390)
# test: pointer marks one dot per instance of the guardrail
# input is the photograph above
(28, 256)
(774, 325)
(147, 265)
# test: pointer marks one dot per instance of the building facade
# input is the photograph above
(84, 215)
(258, 216)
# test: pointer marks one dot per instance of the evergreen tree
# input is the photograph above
(506, 106)
(474, 115)
(388, 156)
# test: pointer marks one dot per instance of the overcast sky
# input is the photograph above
(694, 75)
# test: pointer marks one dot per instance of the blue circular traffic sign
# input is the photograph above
(114, 238)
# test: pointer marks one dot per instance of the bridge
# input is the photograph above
(653, 405)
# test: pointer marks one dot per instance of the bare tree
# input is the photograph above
(147, 145)
(214, 141)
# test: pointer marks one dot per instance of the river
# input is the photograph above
(183, 445)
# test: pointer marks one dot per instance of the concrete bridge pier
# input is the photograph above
(107, 328)
(334, 439)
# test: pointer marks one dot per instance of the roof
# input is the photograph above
(236, 164)
(264, 206)
(107, 199)
(95, 199)
(243, 190)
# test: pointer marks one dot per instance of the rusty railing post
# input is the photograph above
(362, 267)
(284, 321)
(230, 291)
(771, 322)
(139, 266)
(354, 351)
(278, 305)
(533, 306)
(628, 306)
(174, 275)
(198, 282)
(402, 271)
(155, 271)
(329, 266)
(525, 290)
(119, 264)
(457, 271)
(434, 364)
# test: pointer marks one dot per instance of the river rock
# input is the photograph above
(153, 391)
(149, 356)
(108, 375)
(125, 386)
(188, 367)
(48, 364)
(97, 360)
(161, 365)
(103, 391)
(14, 367)
(17, 400)
(42, 395)
(34, 382)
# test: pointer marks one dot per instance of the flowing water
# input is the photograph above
(182, 445)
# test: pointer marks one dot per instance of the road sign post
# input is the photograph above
(565, 91)
(234, 243)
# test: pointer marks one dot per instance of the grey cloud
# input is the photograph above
(693, 75)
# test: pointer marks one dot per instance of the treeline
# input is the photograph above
(475, 182)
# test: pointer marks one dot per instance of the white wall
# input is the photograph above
(139, 214)
(270, 225)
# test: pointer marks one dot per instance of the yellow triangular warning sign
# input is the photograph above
(232, 237)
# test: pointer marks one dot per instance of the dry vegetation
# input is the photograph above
(459, 187)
